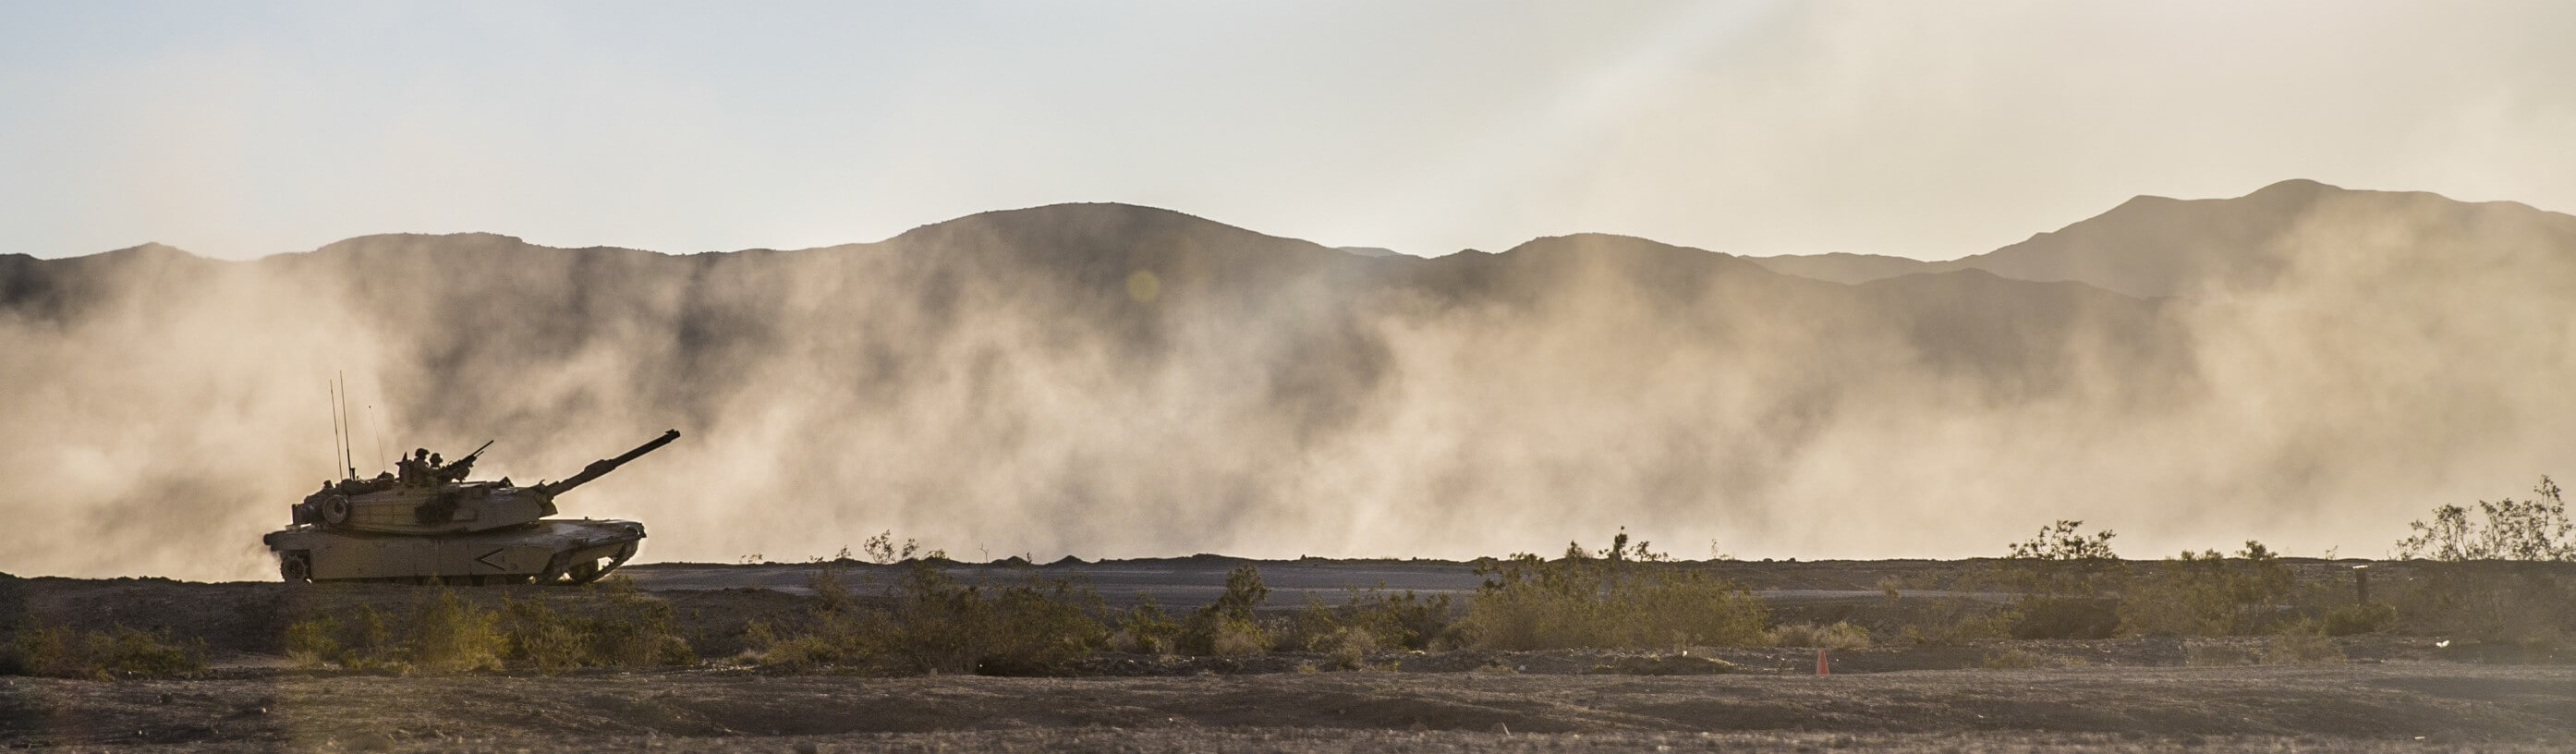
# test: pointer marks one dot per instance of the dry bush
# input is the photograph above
(1840, 635)
(451, 635)
(2360, 618)
(366, 642)
(2034, 617)
(2507, 529)
(931, 623)
(2016, 658)
(1392, 619)
(2063, 575)
(1623, 596)
(1229, 626)
(1350, 649)
(2302, 643)
(1145, 629)
(1955, 621)
(445, 633)
(2208, 594)
(116, 653)
(626, 630)
(2499, 602)
(1231, 637)
(315, 643)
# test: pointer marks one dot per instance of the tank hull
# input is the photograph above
(542, 552)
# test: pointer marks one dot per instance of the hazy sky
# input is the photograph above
(1921, 129)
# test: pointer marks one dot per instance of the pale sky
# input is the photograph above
(1930, 130)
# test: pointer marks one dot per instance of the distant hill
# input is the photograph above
(2304, 364)
(2155, 246)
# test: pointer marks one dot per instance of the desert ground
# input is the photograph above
(2392, 693)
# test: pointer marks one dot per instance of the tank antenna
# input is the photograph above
(345, 442)
(335, 422)
(375, 431)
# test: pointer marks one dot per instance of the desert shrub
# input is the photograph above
(627, 629)
(2062, 561)
(2301, 643)
(2208, 594)
(2062, 575)
(450, 635)
(2359, 618)
(120, 652)
(1145, 629)
(1391, 619)
(365, 642)
(446, 633)
(2527, 603)
(1840, 635)
(443, 633)
(932, 623)
(2016, 658)
(1350, 648)
(1228, 637)
(1228, 626)
(1624, 596)
(2507, 529)
(314, 642)
(2037, 617)
(1955, 621)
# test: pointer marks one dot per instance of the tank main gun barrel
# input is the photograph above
(601, 467)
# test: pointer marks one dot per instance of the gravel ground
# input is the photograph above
(2392, 706)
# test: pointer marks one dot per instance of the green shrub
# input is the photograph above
(1229, 626)
(1626, 596)
(2207, 594)
(1145, 629)
(1391, 619)
(1840, 635)
(116, 653)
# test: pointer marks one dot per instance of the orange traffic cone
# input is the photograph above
(1822, 668)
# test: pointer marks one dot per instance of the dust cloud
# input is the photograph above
(1002, 384)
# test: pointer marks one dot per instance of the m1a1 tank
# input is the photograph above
(427, 523)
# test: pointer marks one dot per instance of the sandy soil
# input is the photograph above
(2134, 694)
(2347, 707)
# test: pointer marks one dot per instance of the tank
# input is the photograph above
(427, 523)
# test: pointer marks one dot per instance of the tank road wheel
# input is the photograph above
(296, 566)
(335, 511)
(584, 572)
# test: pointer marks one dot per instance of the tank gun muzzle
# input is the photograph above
(601, 467)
